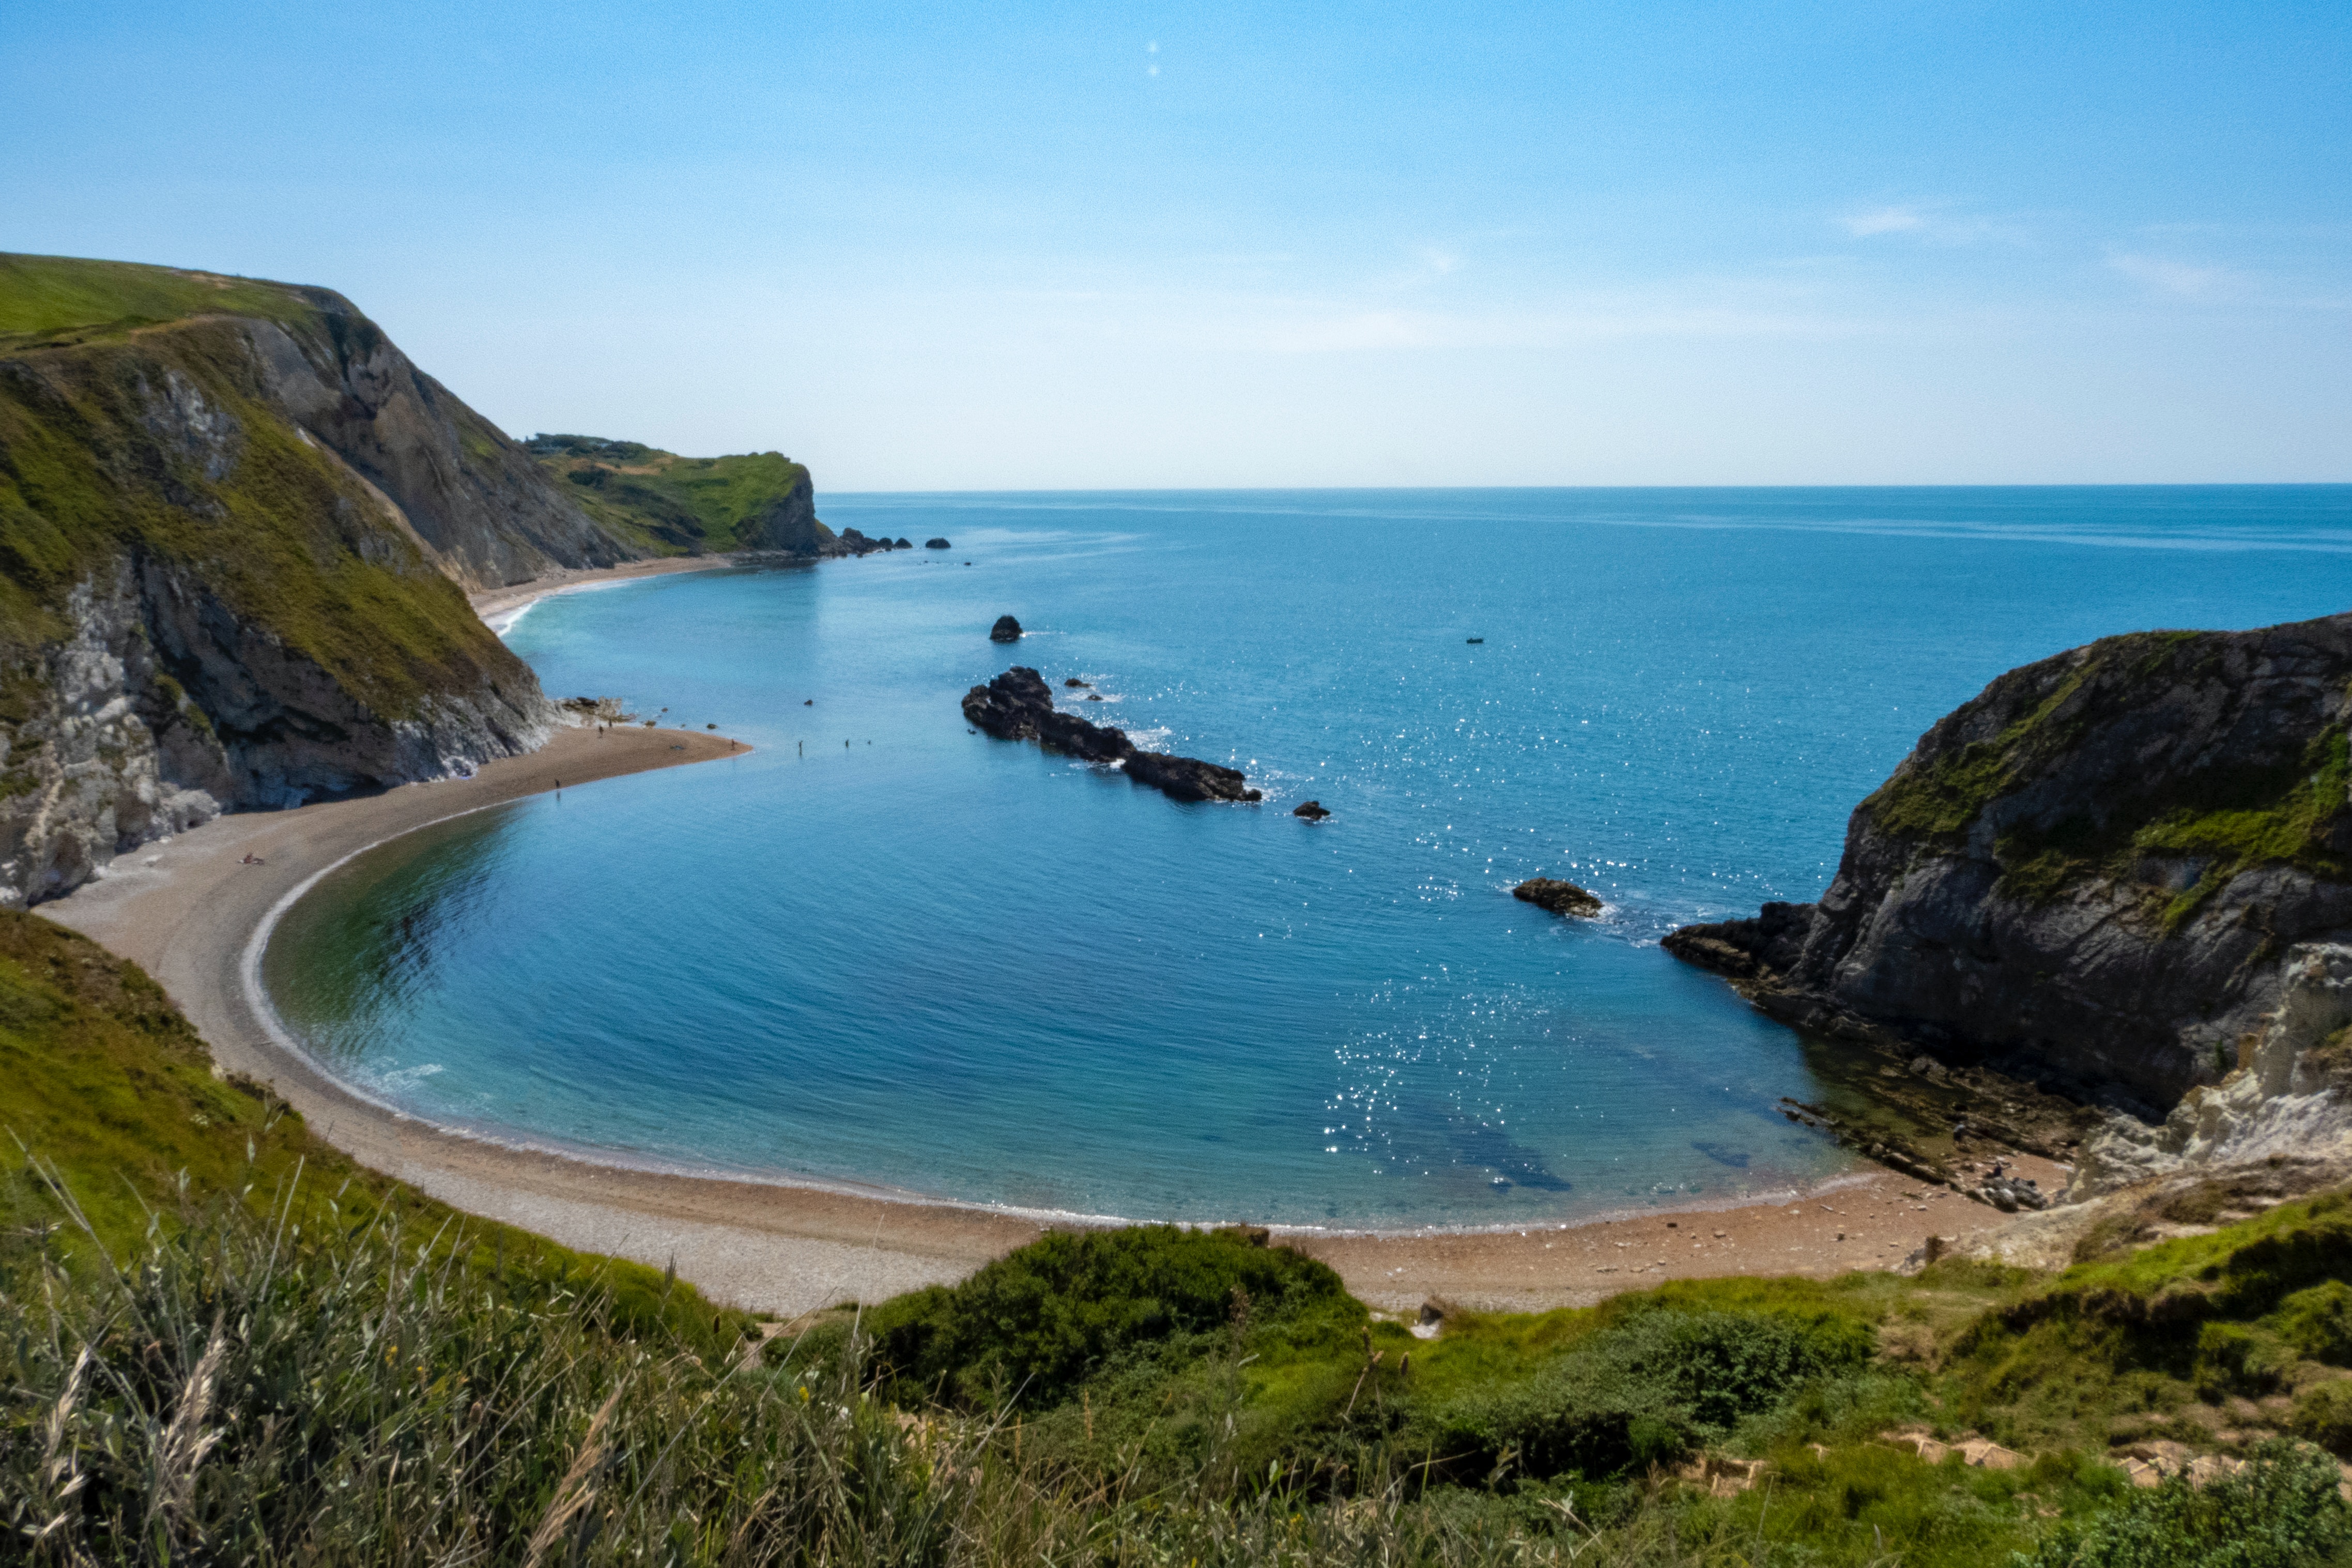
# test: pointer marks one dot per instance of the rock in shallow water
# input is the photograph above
(1006, 629)
(1561, 898)
(1312, 810)
(937, 543)
(1019, 706)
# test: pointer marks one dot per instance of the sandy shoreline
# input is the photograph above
(187, 911)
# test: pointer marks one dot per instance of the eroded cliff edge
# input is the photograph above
(236, 526)
(2093, 874)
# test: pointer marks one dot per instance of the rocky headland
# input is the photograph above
(2124, 873)
(1019, 706)
(237, 531)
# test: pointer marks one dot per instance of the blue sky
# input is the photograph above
(1062, 246)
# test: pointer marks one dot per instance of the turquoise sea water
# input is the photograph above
(934, 962)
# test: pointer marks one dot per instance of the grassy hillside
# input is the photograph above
(221, 1342)
(669, 504)
(154, 443)
(47, 296)
(116, 1120)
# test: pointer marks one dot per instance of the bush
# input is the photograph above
(2324, 1414)
(1033, 1325)
(2318, 1322)
(2283, 1511)
(1649, 1390)
(2233, 1358)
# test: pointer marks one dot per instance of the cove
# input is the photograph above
(884, 949)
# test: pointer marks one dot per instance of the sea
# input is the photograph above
(882, 952)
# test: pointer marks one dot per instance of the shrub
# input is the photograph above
(1034, 1324)
(2324, 1414)
(1648, 1390)
(2318, 1322)
(2283, 1511)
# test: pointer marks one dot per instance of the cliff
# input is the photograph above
(2091, 874)
(686, 506)
(236, 526)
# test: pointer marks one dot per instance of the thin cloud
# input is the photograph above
(2179, 279)
(1885, 220)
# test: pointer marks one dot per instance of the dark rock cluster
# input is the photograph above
(849, 541)
(1561, 898)
(1006, 629)
(935, 543)
(1019, 706)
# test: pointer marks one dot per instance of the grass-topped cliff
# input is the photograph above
(221, 1343)
(236, 531)
(2093, 872)
(686, 506)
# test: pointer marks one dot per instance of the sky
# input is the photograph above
(1024, 245)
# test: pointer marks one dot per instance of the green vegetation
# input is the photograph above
(154, 444)
(2230, 820)
(2281, 1513)
(223, 1342)
(673, 505)
(47, 296)
(109, 1105)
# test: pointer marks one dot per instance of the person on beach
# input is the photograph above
(252, 859)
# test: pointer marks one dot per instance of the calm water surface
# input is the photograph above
(882, 949)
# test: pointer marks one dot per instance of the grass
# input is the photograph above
(111, 1105)
(677, 505)
(2285, 811)
(256, 519)
(220, 1341)
(51, 296)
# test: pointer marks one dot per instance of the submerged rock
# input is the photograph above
(1006, 629)
(1561, 898)
(1019, 706)
(1311, 810)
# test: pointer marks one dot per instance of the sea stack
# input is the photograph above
(1006, 629)
(1561, 898)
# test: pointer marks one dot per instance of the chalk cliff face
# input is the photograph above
(236, 526)
(2092, 873)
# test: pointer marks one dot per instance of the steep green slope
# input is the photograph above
(686, 506)
(236, 529)
(106, 1094)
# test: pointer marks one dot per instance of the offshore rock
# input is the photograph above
(1006, 629)
(1561, 898)
(2095, 875)
(1189, 778)
(1019, 706)
(1312, 810)
(935, 542)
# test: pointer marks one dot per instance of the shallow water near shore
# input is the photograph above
(884, 949)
